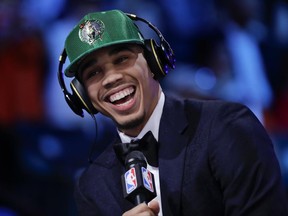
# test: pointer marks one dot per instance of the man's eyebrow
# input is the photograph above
(113, 51)
(87, 65)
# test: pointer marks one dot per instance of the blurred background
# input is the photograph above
(226, 49)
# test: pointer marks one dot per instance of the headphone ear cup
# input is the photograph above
(151, 54)
(80, 97)
(168, 54)
(159, 58)
(73, 104)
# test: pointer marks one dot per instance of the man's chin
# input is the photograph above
(130, 124)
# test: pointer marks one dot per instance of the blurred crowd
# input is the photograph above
(225, 49)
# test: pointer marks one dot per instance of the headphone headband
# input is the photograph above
(164, 45)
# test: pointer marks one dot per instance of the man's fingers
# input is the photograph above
(154, 205)
(151, 209)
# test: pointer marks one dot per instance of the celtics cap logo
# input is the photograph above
(91, 30)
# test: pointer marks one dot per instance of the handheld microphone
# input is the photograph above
(137, 182)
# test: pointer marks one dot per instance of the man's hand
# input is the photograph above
(152, 209)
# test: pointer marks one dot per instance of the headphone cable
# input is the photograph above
(93, 146)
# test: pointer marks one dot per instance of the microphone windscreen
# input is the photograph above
(135, 157)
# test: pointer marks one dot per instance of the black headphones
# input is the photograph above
(159, 57)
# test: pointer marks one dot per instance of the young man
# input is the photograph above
(214, 158)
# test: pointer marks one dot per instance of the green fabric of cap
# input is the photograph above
(97, 30)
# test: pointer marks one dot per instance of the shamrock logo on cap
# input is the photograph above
(91, 30)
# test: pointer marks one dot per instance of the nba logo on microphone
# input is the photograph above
(147, 179)
(130, 180)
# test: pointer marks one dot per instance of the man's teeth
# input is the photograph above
(122, 94)
(126, 102)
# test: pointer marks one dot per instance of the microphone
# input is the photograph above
(137, 182)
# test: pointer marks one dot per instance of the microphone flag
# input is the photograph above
(138, 182)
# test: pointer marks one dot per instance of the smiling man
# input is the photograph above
(207, 157)
(121, 85)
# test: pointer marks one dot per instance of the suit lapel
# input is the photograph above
(172, 150)
(113, 186)
(177, 129)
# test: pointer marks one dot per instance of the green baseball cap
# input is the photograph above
(98, 30)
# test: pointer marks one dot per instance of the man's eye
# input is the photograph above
(121, 60)
(91, 74)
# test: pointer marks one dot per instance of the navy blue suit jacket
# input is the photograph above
(215, 159)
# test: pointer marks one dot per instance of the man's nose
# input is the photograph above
(111, 77)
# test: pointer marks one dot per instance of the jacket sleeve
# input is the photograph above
(244, 164)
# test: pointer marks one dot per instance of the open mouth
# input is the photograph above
(122, 97)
